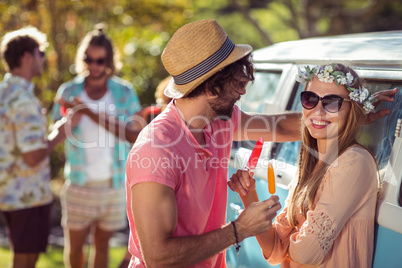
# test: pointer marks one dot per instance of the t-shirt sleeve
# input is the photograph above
(347, 184)
(152, 165)
(29, 124)
(134, 104)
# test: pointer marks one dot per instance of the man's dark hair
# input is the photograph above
(219, 79)
(16, 43)
(96, 38)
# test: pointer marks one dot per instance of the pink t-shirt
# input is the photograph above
(167, 153)
(339, 232)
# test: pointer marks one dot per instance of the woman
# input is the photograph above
(328, 218)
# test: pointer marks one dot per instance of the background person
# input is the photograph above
(330, 211)
(25, 196)
(93, 196)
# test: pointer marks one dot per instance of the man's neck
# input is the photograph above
(194, 113)
(22, 73)
(95, 88)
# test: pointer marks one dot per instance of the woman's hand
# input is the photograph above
(242, 182)
(383, 95)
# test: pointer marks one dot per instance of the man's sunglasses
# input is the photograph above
(88, 60)
(331, 103)
(42, 53)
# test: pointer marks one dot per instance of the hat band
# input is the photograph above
(206, 65)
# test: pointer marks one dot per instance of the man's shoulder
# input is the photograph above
(162, 132)
(116, 81)
(11, 93)
(75, 82)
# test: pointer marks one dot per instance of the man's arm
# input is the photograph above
(278, 128)
(128, 131)
(58, 134)
(155, 215)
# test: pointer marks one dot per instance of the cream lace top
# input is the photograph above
(339, 232)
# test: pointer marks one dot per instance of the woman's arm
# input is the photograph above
(243, 183)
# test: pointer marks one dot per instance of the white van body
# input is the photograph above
(377, 57)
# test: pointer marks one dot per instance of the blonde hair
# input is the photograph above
(311, 172)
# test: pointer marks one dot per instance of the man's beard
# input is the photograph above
(98, 77)
(222, 110)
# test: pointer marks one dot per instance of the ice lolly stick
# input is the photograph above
(271, 179)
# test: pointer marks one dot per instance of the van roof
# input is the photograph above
(381, 49)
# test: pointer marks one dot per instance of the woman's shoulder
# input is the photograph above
(356, 151)
(356, 156)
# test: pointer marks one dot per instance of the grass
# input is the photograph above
(53, 258)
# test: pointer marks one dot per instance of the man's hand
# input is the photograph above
(74, 104)
(383, 95)
(257, 218)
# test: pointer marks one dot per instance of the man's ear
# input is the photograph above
(27, 57)
(210, 95)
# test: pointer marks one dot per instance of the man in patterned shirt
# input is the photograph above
(93, 196)
(25, 196)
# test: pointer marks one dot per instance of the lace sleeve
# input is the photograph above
(322, 228)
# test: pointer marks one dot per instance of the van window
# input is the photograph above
(288, 152)
(258, 95)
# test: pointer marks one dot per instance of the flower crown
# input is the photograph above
(327, 74)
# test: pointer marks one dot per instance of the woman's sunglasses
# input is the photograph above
(331, 103)
(88, 60)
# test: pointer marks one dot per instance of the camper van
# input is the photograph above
(377, 57)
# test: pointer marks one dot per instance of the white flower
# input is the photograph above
(343, 81)
(328, 69)
(349, 78)
(301, 77)
(354, 95)
(368, 107)
(325, 77)
(364, 94)
(321, 76)
(330, 79)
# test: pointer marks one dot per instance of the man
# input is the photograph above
(93, 197)
(25, 196)
(177, 170)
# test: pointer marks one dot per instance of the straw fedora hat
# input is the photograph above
(195, 52)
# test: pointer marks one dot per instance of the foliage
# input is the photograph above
(141, 28)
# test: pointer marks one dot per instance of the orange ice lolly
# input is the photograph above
(271, 179)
